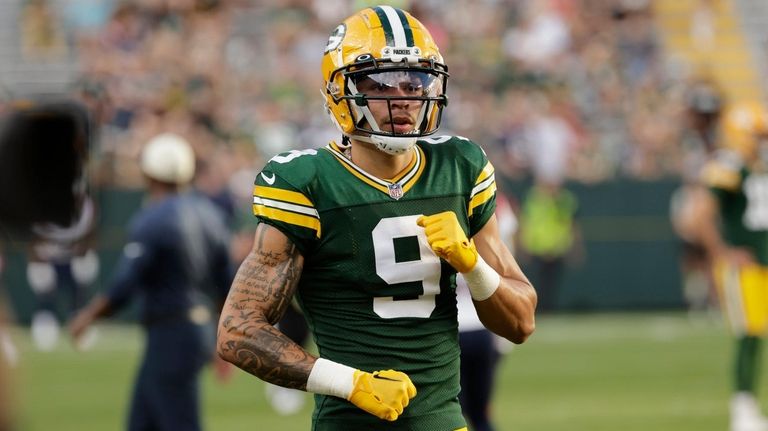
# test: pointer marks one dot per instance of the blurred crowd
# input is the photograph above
(559, 89)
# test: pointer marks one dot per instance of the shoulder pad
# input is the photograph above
(462, 147)
(723, 171)
(296, 167)
(282, 195)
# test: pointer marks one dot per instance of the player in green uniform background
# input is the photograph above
(369, 234)
(733, 226)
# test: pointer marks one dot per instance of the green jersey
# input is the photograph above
(742, 193)
(374, 294)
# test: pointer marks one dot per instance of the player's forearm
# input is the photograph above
(260, 349)
(706, 226)
(249, 341)
(711, 238)
(100, 306)
(510, 311)
(263, 288)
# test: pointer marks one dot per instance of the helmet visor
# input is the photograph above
(399, 83)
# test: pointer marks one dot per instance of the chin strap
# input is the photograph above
(389, 144)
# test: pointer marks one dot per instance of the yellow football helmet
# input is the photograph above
(391, 49)
(744, 124)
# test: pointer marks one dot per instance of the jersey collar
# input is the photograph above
(395, 187)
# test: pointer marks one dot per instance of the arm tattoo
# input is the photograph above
(262, 290)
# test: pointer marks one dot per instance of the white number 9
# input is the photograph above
(426, 269)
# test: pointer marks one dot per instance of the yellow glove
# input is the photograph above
(449, 241)
(383, 393)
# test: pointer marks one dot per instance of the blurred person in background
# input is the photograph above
(61, 264)
(549, 236)
(49, 137)
(177, 252)
(56, 231)
(733, 227)
(343, 229)
(480, 348)
(699, 141)
(41, 32)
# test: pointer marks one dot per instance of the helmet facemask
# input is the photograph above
(397, 80)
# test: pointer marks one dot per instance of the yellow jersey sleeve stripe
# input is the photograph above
(288, 217)
(482, 186)
(281, 195)
(286, 206)
(487, 172)
(482, 197)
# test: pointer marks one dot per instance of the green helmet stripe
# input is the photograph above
(396, 27)
(406, 27)
(385, 24)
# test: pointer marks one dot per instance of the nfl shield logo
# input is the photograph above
(395, 191)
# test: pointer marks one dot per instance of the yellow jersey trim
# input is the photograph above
(482, 197)
(406, 170)
(407, 178)
(288, 217)
(487, 171)
(282, 195)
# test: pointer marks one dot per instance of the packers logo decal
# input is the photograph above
(336, 37)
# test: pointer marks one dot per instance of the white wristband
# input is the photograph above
(482, 280)
(331, 378)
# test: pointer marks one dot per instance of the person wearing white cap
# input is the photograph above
(177, 249)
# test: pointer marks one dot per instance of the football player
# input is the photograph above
(733, 225)
(369, 234)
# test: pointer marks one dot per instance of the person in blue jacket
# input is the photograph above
(177, 249)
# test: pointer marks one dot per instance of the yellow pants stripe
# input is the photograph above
(744, 297)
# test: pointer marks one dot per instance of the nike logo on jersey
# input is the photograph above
(268, 180)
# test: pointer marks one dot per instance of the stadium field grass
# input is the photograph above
(591, 372)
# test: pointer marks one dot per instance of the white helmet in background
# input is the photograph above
(168, 158)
